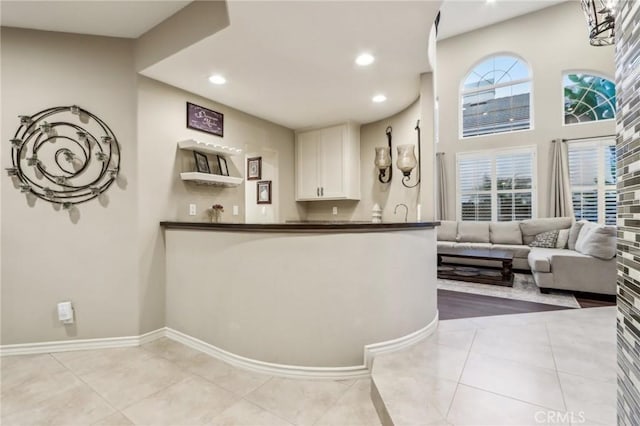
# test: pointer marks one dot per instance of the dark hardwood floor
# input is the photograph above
(454, 304)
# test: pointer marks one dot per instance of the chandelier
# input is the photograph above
(599, 14)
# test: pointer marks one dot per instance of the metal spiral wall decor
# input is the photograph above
(64, 155)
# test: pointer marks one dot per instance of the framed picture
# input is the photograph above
(222, 163)
(204, 120)
(254, 168)
(202, 163)
(264, 192)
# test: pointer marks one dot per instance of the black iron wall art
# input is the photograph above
(64, 155)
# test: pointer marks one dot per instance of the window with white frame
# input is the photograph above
(496, 185)
(496, 97)
(592, 173)
(588, 98)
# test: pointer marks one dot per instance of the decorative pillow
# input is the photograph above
(448, 230)
(545, 239)
(574, 232)
(563, 238)
(597, 241)
(505, 233)
(473, 232)
(532, 227)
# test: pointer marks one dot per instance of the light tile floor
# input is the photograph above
(543, 368)
(479, 371)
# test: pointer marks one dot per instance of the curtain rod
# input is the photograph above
(588, 137)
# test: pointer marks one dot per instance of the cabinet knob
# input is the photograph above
(318, 192)
(322, 191)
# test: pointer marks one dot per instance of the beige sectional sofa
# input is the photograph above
(582, 258)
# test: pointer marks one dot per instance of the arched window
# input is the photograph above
(587, 98)
(496, 97)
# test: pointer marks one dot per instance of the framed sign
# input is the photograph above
(204, 120)
(202, 163)
(222, 162)
(264, 192)
(254, 168)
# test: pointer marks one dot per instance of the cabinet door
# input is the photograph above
(307, 165)
(331, 159)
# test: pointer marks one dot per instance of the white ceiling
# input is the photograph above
(128, 19)
(293, 62)
(290, 62)
(461, 16)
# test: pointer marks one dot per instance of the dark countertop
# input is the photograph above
(319, 227)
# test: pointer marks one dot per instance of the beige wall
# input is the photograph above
(46, 258)
(110, 261)
(164, 196)
(310, 299)
(551, 41)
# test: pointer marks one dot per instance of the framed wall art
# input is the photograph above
(202, 163)
(264, 192)
(222, 163)
(205, 120)
(254, 168)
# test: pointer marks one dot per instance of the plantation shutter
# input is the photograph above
(474, 179)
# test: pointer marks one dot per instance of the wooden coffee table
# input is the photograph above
(501, 274)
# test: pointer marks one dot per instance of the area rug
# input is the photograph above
(524, 288)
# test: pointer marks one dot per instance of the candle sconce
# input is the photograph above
(49, 178)
(383, 159)
(407, 160)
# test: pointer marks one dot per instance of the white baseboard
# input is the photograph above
(281, 370)
(80, 344)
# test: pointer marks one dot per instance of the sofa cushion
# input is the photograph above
(467, 245)
(520, 251)
(574, 232)
(473, 232)
(446, 244)
(532, 227)
(505, 232)
(597, 241)
(448, 230)
(539, 260)
(546, 239)
(563, 238)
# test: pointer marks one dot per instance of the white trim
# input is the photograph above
(80, 344)
(281, 370)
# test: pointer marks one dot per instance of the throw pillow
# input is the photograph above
(532, 227)
(563, 238)
(574, 232)
(598, 241)
(545, 239)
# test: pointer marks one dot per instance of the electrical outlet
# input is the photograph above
(192, 209)
(235, 211)
(335, 210)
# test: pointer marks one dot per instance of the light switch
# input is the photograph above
(192, 209)
(65, 312)
(335, 210)
(235, 210)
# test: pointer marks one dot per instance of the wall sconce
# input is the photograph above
(599, 14)
(383, 159)
(407, 160)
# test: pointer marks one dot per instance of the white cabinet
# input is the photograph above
(328, 163)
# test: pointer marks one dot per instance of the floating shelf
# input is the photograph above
(211, 179)
(209, 148)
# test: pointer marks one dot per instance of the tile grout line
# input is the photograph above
(344, 394)
(555, 364)
(115, 410)
(475, 332)
(511, 398)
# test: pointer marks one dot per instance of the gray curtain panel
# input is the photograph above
(442, 187)
(560, 204)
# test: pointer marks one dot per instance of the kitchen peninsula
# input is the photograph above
(300, 299)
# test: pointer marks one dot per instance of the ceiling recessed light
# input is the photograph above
(491, 1)
(365, 59)
(379, 98)
(217, 79)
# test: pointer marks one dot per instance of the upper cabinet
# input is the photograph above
(328, 163)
